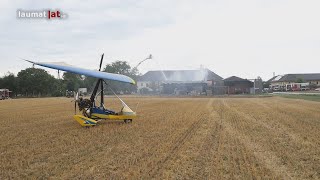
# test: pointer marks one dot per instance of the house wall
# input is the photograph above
(238, 87)
(184, 88)
(142, 84)
(150, 85)
(171, 88)
(278, 83)
(317, 82)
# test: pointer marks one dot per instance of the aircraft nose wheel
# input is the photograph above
(128, 121)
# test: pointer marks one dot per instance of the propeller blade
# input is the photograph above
(101, 62)
(76, 99)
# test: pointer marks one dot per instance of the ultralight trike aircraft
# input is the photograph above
(91, 113)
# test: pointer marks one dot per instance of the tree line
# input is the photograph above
(36, 82)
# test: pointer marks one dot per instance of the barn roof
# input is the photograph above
(294, 77)
(235, 78)
(180, 76)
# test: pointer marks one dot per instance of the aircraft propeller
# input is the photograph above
(101, 62)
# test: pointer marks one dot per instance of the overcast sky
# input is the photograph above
(242, 38)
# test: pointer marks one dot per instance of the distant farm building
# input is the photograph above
(179, 82)
(295, 82)
(236, 85)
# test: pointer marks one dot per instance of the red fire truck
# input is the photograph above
(4, 94)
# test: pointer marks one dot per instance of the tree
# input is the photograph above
(266, 84)
(35, 82)
(72, 81)
(9, 81)
(299, 80)
(121, 67)
(58, 88)
(118, 67)
(89, 83)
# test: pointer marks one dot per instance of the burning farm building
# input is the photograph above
(178, 82)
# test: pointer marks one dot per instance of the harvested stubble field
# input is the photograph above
(193, 138)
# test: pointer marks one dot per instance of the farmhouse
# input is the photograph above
(289, 81)
(236, 85)
(178, 82)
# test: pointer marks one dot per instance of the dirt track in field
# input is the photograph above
(193, 138)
